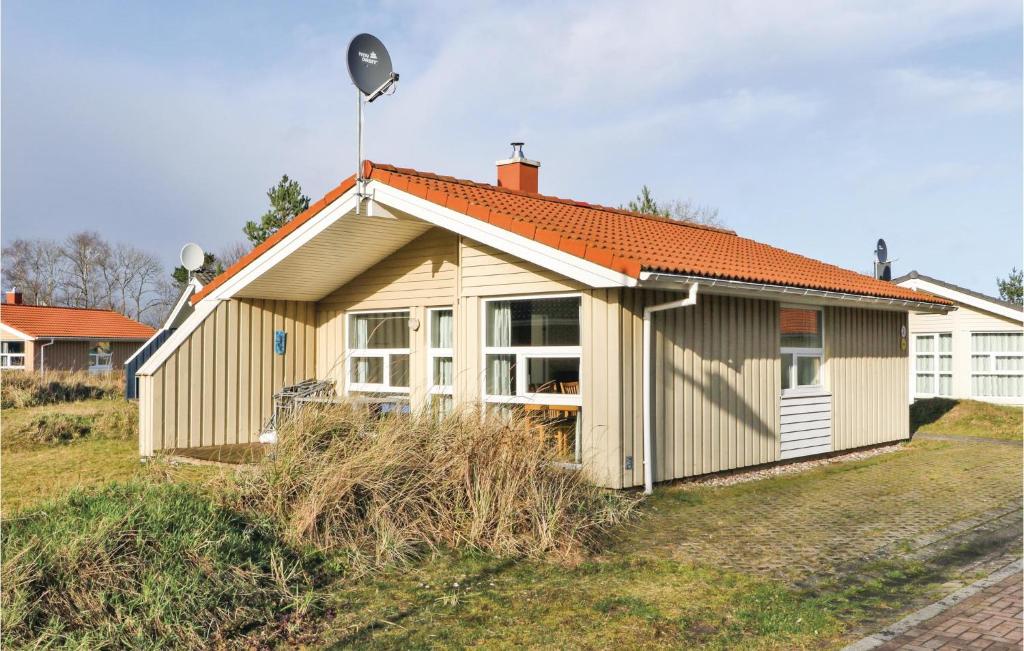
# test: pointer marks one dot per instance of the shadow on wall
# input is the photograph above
(926, 412)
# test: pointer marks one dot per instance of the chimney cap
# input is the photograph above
(518, 156)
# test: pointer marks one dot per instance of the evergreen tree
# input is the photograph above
(286, 201)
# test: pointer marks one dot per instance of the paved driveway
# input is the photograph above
(822, 522)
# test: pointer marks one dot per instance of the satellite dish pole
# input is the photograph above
(369, 66)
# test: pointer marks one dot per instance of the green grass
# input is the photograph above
(147, 565)
(32, 471)
(967, 418)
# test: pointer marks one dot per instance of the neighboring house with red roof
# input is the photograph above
(40, 337)
(656, 349)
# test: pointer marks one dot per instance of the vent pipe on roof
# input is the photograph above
(518, 172)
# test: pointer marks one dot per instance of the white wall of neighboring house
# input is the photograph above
(969, 318)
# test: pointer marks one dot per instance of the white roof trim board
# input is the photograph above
(993, 307)
(16, 333)
(191, 288)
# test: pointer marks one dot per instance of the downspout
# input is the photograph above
(691, 299)
(42, 357)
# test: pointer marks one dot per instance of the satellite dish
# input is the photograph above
(192, 257)
(882, 251)
(369, 66)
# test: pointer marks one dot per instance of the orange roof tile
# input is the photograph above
(617, 239)
(72, 322)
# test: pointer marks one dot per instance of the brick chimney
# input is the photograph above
(14, 297)
(518, 172)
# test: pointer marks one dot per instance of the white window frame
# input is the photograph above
(935, 355)
(7, 357)
(383, 353)
(811, 389)
(94, 358)
(992, 355)
(433, 353)
(523, 353)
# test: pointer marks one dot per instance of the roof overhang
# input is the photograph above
(657, 280)
(922, 285)
(337, 244)
(8, 330)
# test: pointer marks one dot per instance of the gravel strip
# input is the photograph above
(789, 468)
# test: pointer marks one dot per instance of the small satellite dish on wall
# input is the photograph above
(192, 257)
(369, 66)
(882, 251)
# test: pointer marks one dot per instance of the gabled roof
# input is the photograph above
(619, 240)
(959, 294)
(71, 323)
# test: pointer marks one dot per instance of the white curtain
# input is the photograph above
(444, 371)
(444, 329)
(499, 367)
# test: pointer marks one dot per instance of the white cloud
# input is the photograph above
(961, 90)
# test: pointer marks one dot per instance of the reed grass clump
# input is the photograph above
(385, 489)
(29, 389)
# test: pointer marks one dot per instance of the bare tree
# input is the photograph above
(86, 284)
(688, 211)
(685, 211)
(87, 271)
(36, 267)
(232, 253)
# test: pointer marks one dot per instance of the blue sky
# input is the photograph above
(817, 127)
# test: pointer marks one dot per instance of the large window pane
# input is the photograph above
(443, 371)
(946, 343)
(440, 328)
(367, 370)
(925, 384)
(807, 371)
(379, 330)
(534, 322)
(801, 328)
(13, 347)
(400, 370)
(553, 375)
(501, 375)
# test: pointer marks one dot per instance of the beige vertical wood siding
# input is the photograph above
(217, 387)
(715, 378)
(73, 355)
(867, 376)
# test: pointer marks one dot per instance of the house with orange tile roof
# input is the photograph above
(40, 337)
(652, 349)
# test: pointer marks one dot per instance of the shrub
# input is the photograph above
(29, 389)
(383, 489)
(120, 421)
(145, 565)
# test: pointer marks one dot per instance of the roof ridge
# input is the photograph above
(408, 171)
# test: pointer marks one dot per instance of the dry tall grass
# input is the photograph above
(385, 489)
(30, 389)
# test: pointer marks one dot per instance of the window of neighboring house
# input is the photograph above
(933, 365)
(440, 358)
(801, 348)
(377, 357)
(997, 364)
(101, 357)
(532, 350)
(12, 354)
